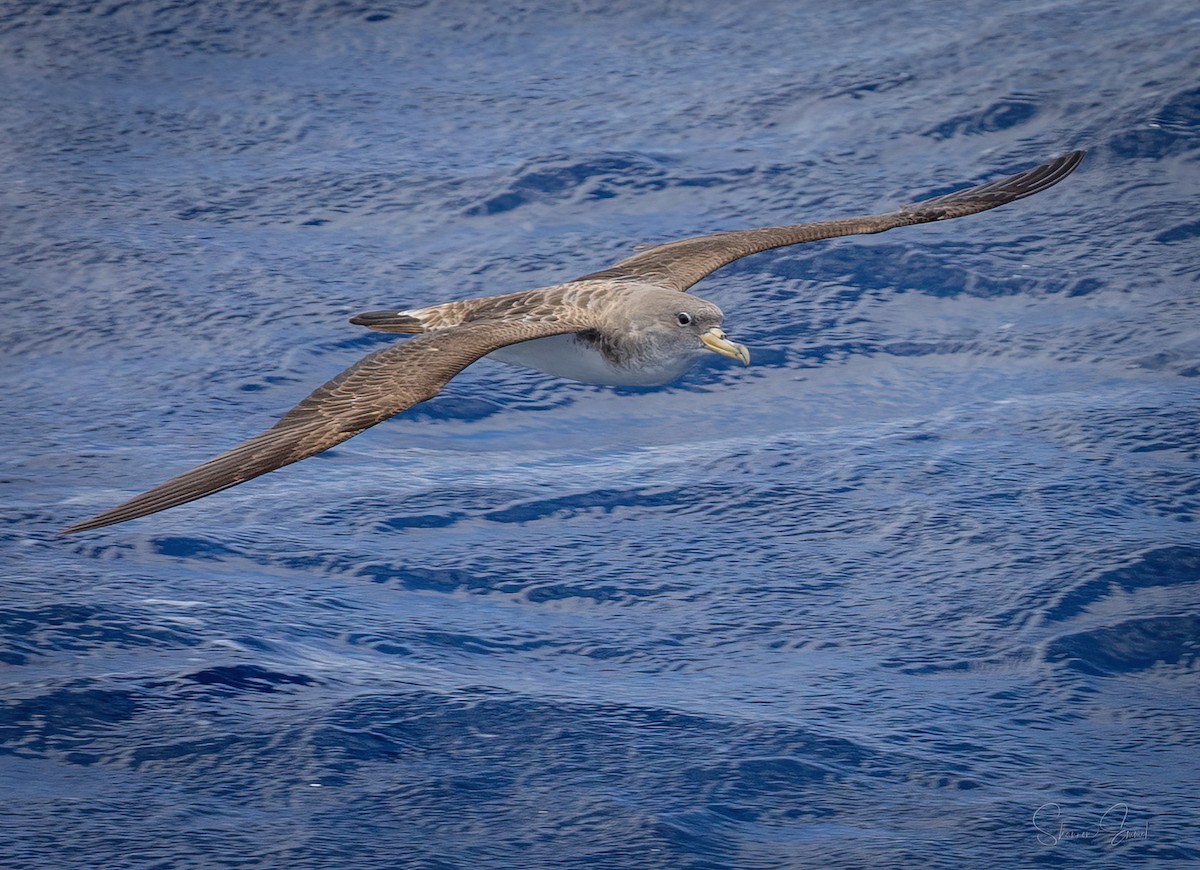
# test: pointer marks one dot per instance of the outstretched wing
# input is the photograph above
(681, 264)
(379, 386)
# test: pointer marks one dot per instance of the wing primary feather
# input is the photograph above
(259, 455)
(681, 264)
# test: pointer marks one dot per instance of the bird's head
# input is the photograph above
(670, 324)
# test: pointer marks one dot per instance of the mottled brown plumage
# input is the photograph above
(378, 386)
(625, 324)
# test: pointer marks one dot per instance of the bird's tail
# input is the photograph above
(390, 321)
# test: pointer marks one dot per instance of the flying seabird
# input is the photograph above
(627, 324)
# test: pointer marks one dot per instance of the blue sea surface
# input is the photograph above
(918, 588)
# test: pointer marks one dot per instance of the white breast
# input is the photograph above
(566, 357)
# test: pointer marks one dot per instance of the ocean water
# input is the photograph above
(917, 588)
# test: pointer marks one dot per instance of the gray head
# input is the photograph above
(669, 329)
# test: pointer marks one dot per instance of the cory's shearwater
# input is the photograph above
(627, 324)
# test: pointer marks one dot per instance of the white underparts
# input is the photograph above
(565, 356)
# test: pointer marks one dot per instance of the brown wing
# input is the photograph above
(681, 264)
(379, 386)
(540, 304)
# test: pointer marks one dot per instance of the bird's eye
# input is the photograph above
(683, 318)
